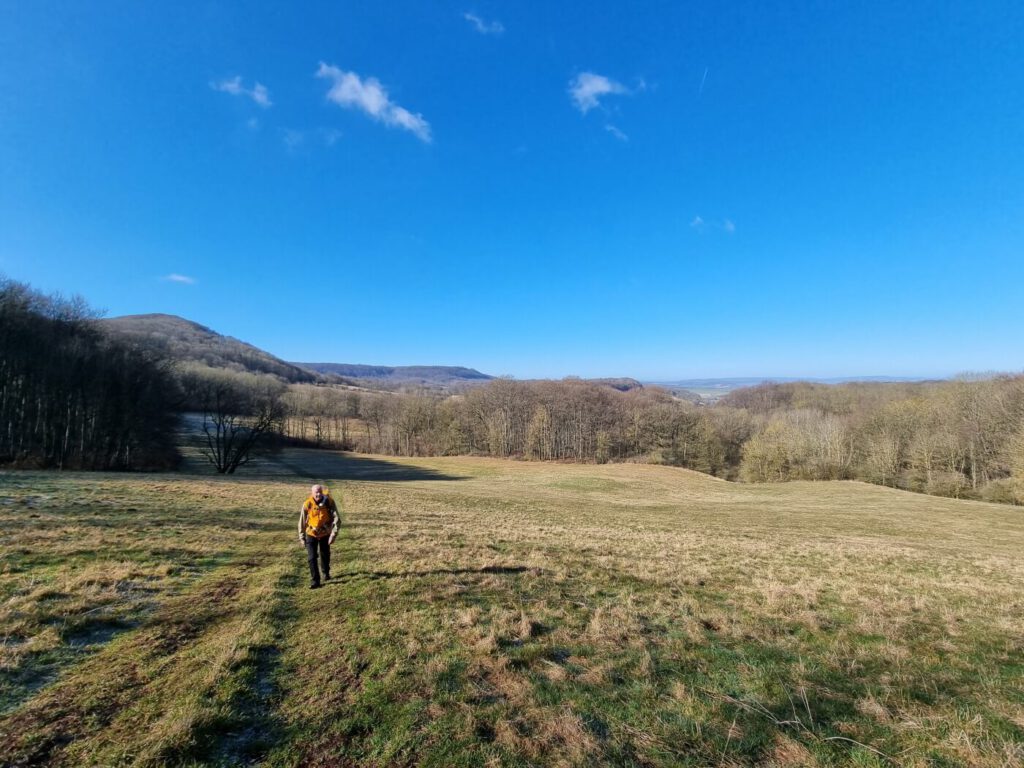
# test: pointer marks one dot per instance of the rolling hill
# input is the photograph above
(186, 341)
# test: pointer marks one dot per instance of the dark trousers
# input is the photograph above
(312, 545)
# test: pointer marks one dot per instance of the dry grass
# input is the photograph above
(503, 613)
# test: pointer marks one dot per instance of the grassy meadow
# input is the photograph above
(489, 612)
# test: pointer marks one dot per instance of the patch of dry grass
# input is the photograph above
(507, 613)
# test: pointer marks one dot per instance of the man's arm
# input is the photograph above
(302, 522)
(336, 522)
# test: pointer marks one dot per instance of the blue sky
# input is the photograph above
(657, 190)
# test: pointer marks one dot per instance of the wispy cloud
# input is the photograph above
(725, 225)
(293, 139)
(233, 85)
(174, 277)
(484, 27)
(261, 95)
(587, 88)
(296, 139)
(350, 91)
(616, 132)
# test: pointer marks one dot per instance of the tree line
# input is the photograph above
(569, 420)
(73, 396)
(70, 397)
(961, 438)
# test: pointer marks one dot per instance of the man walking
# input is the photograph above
(318, 527)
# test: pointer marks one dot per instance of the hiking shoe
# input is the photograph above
(314, 585)
(327, 577)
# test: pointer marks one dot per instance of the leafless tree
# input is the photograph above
(238, 417)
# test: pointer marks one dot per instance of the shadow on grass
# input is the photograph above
(79, 637)
(312, 464)
(501, 570)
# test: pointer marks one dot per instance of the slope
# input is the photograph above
(186, 341)
(489, 612)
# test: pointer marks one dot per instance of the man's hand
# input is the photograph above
(302, 540)
(331, 539)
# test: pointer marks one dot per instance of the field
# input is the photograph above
(486, 612)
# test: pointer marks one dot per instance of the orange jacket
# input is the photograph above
(319, 520)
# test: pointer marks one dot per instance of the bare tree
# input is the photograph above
(237, 418)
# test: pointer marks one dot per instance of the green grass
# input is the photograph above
(505, 613)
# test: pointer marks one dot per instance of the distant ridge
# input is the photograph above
(400, 374)
(753, 381)
(187, 341)
(712, 390)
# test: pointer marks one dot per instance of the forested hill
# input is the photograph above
(186, 341)
(440, 375)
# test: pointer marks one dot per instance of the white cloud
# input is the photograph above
(484, 27)
(616, 132)
(697, 223)
(587, 88)
(293, 139)
(331, 136)
(728, 226)
(261, 95)
(257, 93)
(174, 277)
(232, 86)
(350, 91)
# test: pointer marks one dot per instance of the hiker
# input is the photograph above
(318, 527)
